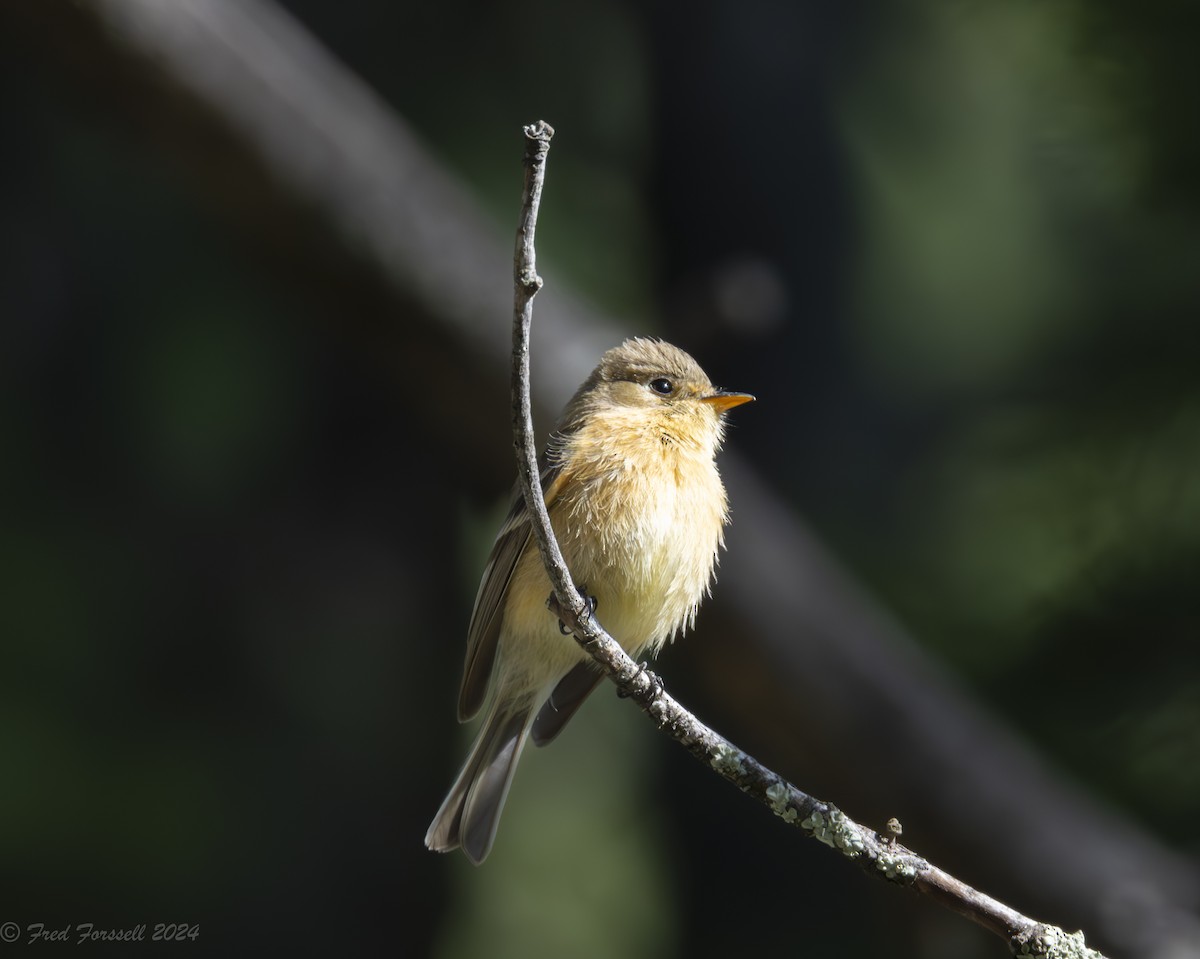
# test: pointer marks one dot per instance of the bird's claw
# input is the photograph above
(589, 601)
(655, 680)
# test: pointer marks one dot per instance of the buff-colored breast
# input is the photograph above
(640, 523)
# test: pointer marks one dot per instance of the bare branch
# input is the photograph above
(879, 854)
(527, 283)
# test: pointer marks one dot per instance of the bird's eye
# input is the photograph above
(662, 385)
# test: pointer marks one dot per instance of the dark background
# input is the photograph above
(248, 478)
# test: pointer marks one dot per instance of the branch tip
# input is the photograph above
(540, 131)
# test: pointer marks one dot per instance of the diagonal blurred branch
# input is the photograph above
(335, 143)
(856, 683)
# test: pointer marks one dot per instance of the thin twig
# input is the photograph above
(878, 854)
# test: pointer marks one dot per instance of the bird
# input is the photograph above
(637, 505)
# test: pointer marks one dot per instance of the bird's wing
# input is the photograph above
(484, 632)
(565, 701)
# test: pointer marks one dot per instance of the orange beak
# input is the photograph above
(724, 400)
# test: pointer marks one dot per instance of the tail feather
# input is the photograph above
(470, 813)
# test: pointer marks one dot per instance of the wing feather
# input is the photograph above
(565, 701)
(483, 635)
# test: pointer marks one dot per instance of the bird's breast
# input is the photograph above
(641, 529)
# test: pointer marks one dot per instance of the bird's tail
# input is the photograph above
(471, 811)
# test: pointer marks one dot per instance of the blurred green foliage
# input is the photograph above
(1023, 283)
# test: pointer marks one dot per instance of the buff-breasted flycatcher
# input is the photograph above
(638, 507)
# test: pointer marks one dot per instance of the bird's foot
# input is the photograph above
(656, 680)
(552, 604)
